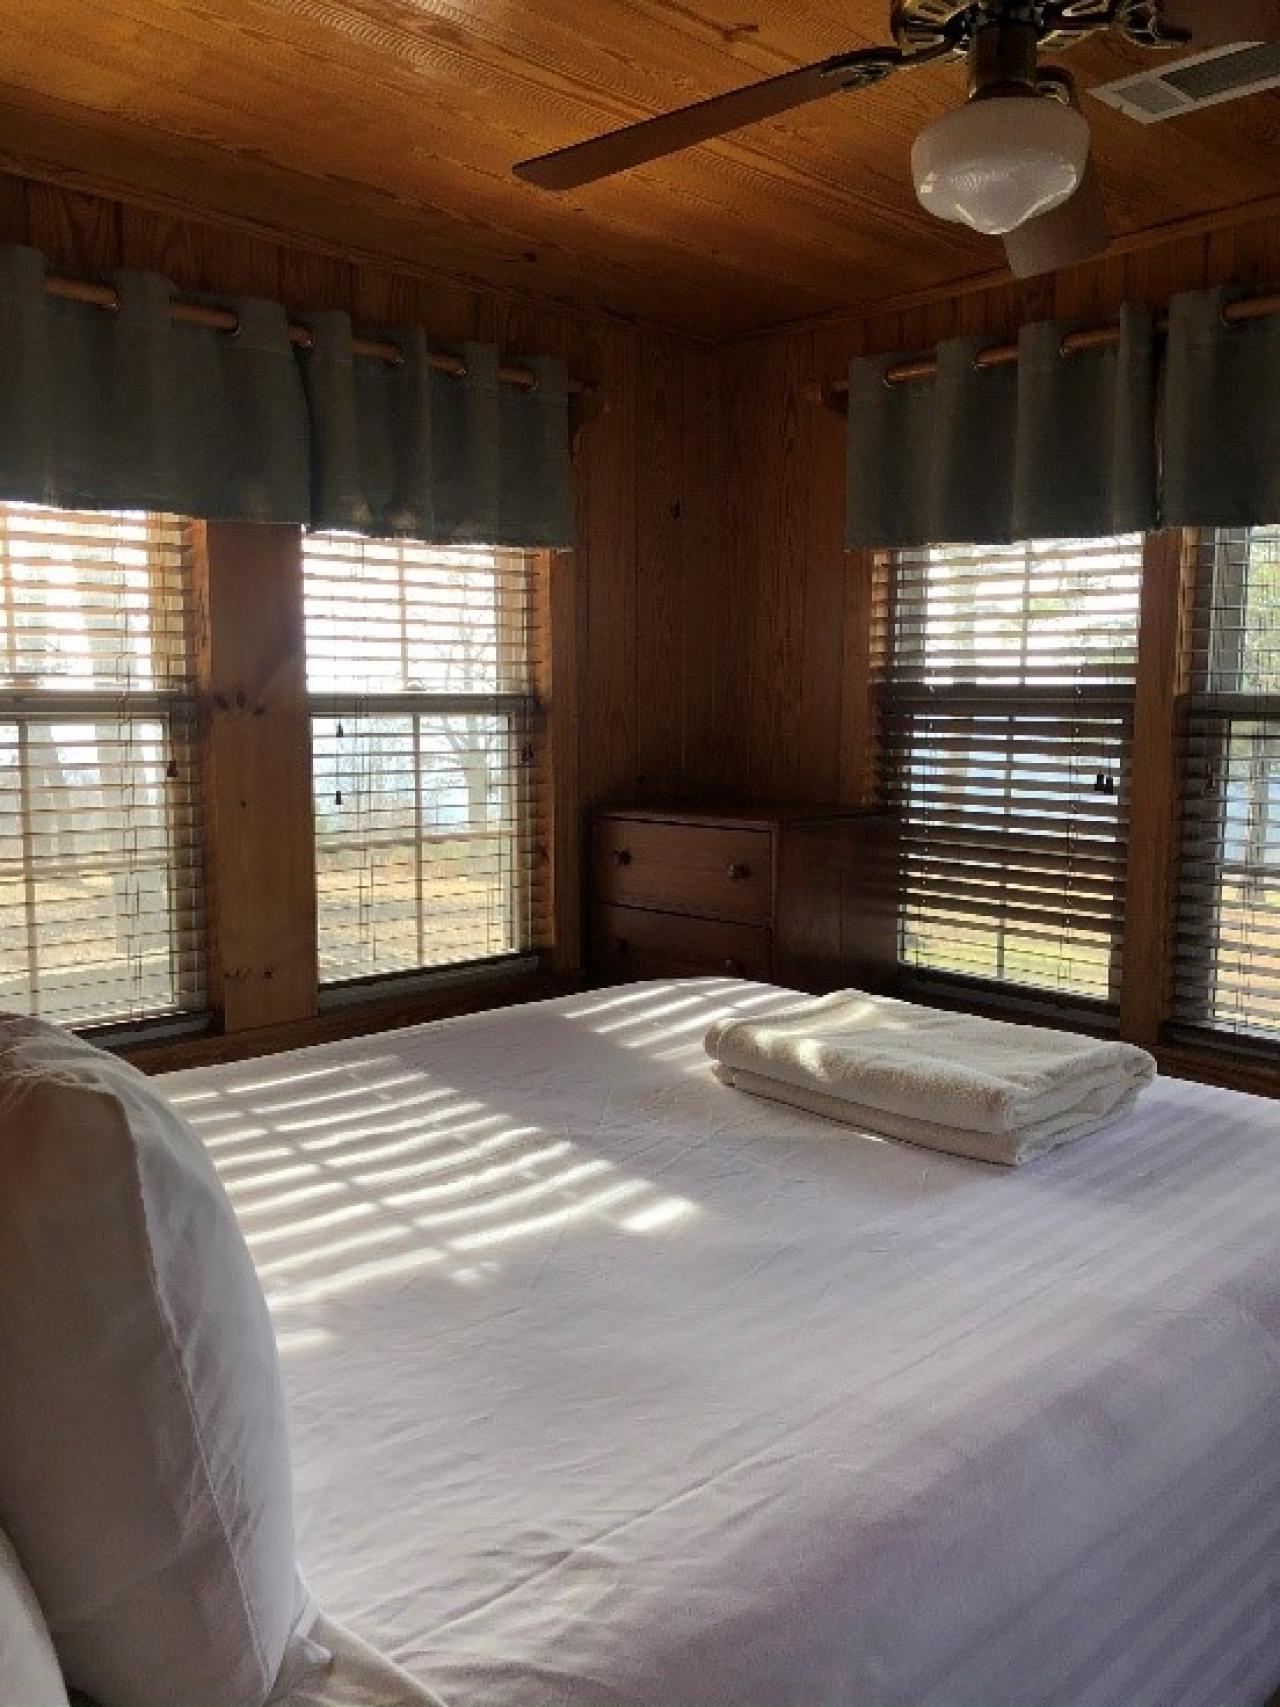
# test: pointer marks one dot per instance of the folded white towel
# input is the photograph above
(970, 1086)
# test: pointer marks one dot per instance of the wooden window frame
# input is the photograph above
(259, 831)
(1016, 712)
(1163, 685)
(390, 718)
(169, 701)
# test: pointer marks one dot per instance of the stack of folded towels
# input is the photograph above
(972, 1087)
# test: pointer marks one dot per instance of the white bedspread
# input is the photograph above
(611, 1386)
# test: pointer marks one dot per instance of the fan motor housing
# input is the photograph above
(922, 24)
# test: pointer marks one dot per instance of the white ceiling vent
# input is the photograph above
(1224, 74)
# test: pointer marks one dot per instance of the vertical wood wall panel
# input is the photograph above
(660, 567)
(708, 635)
(608, 475)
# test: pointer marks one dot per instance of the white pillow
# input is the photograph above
(29, 1675)
(144, 1475)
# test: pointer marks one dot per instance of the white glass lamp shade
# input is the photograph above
(996, 163)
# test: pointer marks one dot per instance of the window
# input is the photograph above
(100, 905)
(423, 668)
(1008, 718)
(1228, 949)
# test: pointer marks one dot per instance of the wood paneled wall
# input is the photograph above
(644, 646)
(715, 628)
(788, 722)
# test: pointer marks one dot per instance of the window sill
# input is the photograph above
(1222, 1060)
(439, 997)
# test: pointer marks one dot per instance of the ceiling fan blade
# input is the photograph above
(1073, 232)
(1219, 23)
(651, 139)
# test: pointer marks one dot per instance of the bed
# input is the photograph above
(610, 1385)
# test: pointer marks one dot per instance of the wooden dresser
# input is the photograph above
(801, 896)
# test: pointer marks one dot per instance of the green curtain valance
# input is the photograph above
(133, 411)
(1221, 419)
(127, 411)
(411, 450)
(1052, 446)
(1056, 446)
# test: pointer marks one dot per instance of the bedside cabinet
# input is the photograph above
(801, 896)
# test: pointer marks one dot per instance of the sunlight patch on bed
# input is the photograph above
(344, 1093)
(396, 1175)
(311, 1225)
(273, 1176)
(551, 1186)
(648, 1017)
(351, 1279)
(462, 1185)
(334, 1249)
(300, 1121)
(305, 1075)
(431, 1160)
(287, 1199)
(417, 1124)
(292, 1340)
(224, 1140)
(614, 1001)
(551, 1221)
(255, 1158)
(659, 1216)
(425, 1144)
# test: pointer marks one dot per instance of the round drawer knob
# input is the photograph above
(738, 871)
(733, 968)
(622, 856)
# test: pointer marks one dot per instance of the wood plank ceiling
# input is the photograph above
(389, 127)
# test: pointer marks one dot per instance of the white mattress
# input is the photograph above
(612, 1385)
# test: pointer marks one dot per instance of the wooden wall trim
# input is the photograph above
(259, 817)
(1168, 580)
(361, 1019)
(566, 614)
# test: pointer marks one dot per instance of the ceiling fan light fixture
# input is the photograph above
(1000, 161)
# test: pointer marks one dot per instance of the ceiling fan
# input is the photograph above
(1012, 162)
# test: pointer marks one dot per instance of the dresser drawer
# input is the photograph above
(628, 943)
(697, 868)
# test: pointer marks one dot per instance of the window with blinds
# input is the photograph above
(1008, 714)
(100, 895)
(424, 669)
(1228, 947)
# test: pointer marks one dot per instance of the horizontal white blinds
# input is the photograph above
(1228, 947)
(425, 666)
(100, 892)
(1008, 711)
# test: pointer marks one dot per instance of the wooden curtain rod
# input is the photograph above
(227, 320)
(836, 392)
